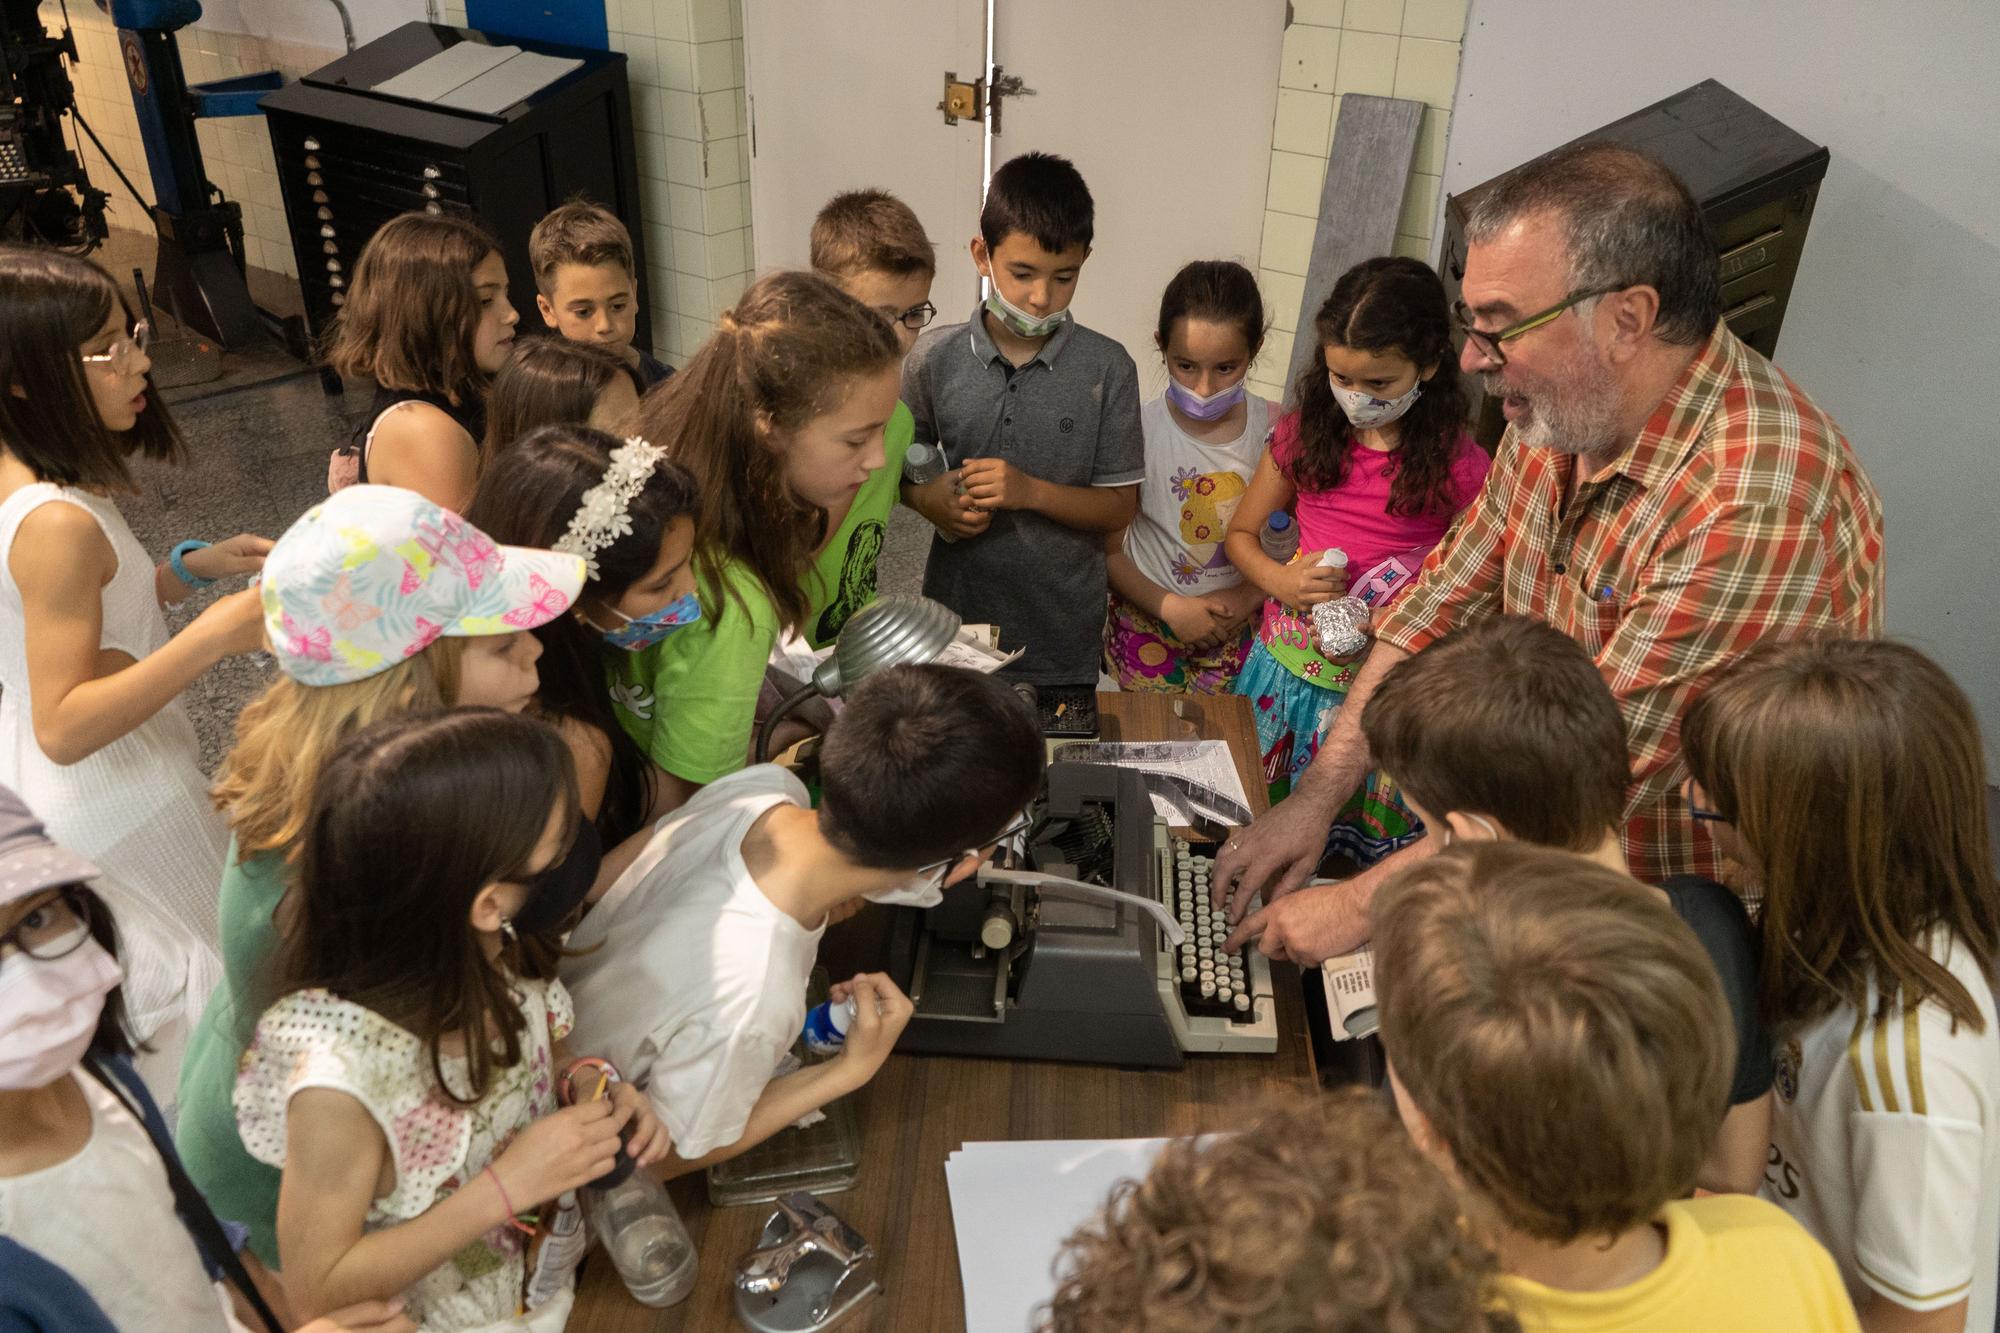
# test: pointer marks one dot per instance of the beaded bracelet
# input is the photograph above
(513, 1218)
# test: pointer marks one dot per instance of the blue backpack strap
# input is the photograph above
(37, 1296)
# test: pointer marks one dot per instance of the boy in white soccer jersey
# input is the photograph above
(1847, 776)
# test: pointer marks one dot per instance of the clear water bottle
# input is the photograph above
(632, 1217)
(923, 462)
(1280, 537)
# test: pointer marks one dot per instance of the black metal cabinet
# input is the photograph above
(1756, 180)
(351, 156)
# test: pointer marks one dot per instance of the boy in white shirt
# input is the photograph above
(694, 977)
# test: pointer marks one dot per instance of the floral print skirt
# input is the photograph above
(1142, 654)
(1293, 715)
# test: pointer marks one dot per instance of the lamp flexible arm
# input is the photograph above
(770, 727)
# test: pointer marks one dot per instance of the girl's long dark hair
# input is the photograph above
(1381, 306)
(412, 312)
(527, 497)
(413, 818)
(547, 382)
(51, 304)
(790, 351)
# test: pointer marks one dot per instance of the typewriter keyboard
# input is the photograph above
(1213, 983)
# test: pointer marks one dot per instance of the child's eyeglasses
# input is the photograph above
(917, 316)
(55, 929)
(132, 344)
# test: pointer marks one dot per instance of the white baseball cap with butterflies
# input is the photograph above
(374, 574)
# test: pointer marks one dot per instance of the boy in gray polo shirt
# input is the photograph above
(1040, 420)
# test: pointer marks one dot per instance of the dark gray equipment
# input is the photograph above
(1022, 966)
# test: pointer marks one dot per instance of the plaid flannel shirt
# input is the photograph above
(1739, 513)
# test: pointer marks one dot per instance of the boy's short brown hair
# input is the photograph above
(1322, 1214)
(870, 230)
(1561, 1029)
(1509, 718)
(578, 232)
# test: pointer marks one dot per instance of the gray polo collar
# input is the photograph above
(988, 351)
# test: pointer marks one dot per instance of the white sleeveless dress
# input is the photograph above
(138, 807)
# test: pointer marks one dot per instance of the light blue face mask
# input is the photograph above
(648, 630)
(1019, 320)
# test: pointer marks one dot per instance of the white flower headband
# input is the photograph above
(606, 512)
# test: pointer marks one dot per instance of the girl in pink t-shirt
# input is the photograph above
(1374, 459)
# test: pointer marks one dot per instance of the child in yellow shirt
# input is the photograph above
(1561, 1045)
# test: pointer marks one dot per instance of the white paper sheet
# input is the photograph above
(1206, 762)
(1013, 1205)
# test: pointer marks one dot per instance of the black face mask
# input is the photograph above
(555, 894)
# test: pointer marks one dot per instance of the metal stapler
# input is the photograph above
(810, 1270)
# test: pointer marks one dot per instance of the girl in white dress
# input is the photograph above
(91, 733)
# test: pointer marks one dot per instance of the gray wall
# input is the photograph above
(1894, 326)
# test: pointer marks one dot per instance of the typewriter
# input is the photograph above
(1100, 948)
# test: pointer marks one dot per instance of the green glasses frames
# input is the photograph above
(1489, 343)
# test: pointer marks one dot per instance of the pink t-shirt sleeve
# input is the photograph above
(1285, 441)
(1469, 466)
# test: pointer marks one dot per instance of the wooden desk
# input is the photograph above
(920, 1108)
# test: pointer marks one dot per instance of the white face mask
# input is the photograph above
(1366, 411)
(1019, 320)
(926, 887)
(49, 1010)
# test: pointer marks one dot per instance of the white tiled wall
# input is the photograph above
(1391, 48)
(237, 150)
(685, 67)
(686, 74)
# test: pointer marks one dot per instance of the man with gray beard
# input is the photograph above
(1663, 495)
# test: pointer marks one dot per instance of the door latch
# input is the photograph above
(975, 99)
(963, 100)
(1004, 85)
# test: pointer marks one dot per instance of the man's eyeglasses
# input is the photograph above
(1698, 813)
(1489, 342)
(916, 317)
(121, 352)
(54, 929)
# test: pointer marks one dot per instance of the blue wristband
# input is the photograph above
(174, 558)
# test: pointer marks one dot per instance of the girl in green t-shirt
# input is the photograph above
(780, 417)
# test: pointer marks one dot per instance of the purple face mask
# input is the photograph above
(1194, 405)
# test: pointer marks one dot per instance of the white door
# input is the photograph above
(1166, 109)
(1165, 106)
(843, 95)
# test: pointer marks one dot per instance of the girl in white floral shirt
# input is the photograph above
(405, 1082)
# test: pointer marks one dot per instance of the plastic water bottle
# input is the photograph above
(1280, 537)
(826, 1026)
(632, 1217)
(924, 462)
